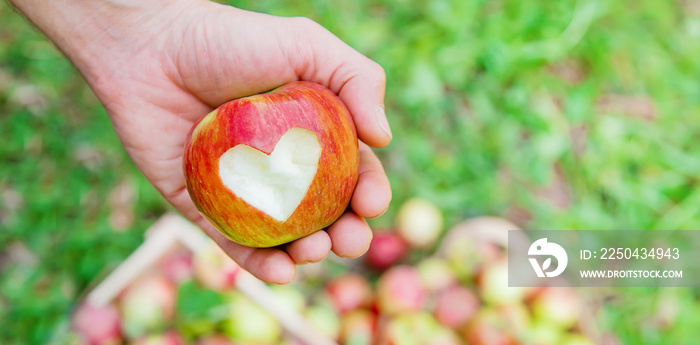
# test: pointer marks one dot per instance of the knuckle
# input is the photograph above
(305, 23)
(378, 72)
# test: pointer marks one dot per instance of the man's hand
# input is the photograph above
(159, 66)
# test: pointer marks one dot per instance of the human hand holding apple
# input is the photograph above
(159, 66)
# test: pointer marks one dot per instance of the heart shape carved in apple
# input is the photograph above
(276, 183)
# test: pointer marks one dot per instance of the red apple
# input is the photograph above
(97, 325)
(178, 267)
(455, 306)
(271, 168)
(385, 250)
(400, 291)
(349, 292)
(419, 222)
(214, 269)
(147, 306)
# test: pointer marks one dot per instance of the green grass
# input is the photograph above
(556, 114)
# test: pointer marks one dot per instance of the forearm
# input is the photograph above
(100, 30)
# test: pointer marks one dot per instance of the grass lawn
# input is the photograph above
(554, 114)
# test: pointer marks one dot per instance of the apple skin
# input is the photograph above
(386, 249)
(400, 291)
(419, 222)
(97, 325)
(436, 274)
(147, 306)
(487, 328)
(248, 323)
(178, 267)
(349, 292)
(259, 121)
(493, 285)
(416, 328)
(455, 306)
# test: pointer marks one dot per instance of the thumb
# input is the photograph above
(317, 55)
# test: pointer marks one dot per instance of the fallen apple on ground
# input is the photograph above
(436, 274)
(147, 306)
(348, 292)
(386, 249)
(178, 267)
(417, 328)
(271, 168)
(515, 316)
(455, 306)
(323, 319)
(486, 328)
(97, 325)
(248, 323)
(290, 297)
(493, 285)
(400, 290)
(419, 222)
(542, 333)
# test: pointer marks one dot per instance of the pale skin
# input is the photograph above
(158, 66)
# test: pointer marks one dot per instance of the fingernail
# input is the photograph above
(382, 121)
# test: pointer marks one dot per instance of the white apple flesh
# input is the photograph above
(277, 183)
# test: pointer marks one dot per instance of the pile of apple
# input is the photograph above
(456, 293)
(407, 289)
(256, 168)
(185, 299)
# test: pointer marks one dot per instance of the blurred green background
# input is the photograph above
(554, 114)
